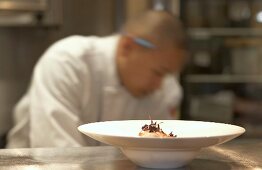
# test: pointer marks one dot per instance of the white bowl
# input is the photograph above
(153, 152)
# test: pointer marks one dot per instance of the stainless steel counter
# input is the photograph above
(237, 154)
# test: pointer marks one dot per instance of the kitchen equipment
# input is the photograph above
(216, 13)
(239, 13)
(216, 107)
(256, 11)
(194, 13)
(246, 60)
(30, 12)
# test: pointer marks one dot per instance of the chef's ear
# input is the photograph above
(126, 45)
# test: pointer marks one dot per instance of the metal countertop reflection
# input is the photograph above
(237, 154)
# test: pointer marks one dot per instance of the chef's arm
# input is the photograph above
(54, 103)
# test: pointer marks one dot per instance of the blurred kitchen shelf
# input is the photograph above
(209, 32)
(223, 78)
(222, 58)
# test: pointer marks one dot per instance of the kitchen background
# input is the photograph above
(222, 81)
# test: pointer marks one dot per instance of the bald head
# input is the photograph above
(142, 69)
(160, 27)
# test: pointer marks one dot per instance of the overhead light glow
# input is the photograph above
(259, 17)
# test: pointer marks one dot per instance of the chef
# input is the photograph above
(82, 79)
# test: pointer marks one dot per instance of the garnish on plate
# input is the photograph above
(154, 130)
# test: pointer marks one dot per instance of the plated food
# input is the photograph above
(154, 130)
(162, 151)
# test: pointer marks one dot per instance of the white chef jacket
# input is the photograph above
(75, 82)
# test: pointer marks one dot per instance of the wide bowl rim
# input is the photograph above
(241, 130)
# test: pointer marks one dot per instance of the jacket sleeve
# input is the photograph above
(55, 101)
(173, 95)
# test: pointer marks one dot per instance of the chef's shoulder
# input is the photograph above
(67, 56)
(73, 46)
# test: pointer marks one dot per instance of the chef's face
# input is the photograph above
(147, 67)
